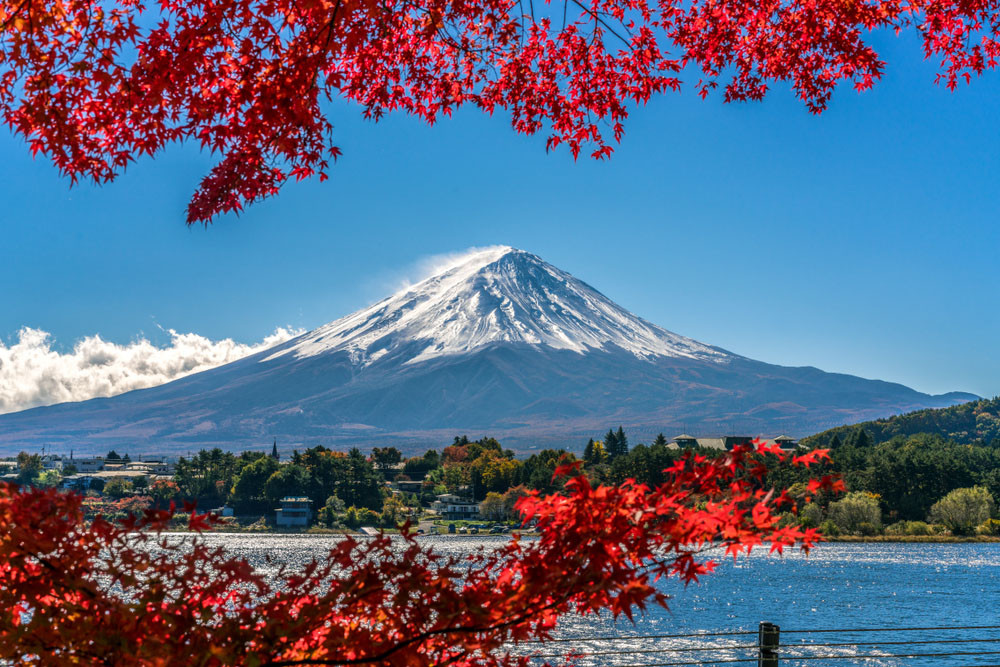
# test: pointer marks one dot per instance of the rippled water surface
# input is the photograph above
(837, 587)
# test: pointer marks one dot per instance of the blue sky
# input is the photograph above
(863, 240)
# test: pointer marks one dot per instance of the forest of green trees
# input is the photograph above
(900, 480)
(972, 423)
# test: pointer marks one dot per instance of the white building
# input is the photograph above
(88, 464)
(295, 511)
(451, 506)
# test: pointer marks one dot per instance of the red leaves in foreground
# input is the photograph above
(76, 593)
(95, 84)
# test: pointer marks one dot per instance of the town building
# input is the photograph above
(151, 467)
(726, 443)
(685, 440)
(295, 511)
(408, 485)
(88, 464)
(450, 506)
(50, 462)
(786, 442)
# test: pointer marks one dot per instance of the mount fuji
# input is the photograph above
(498, 343)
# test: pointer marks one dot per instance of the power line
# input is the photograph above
(697, 662)
(803, 647)
(897, 643)
(823, 657)
(627, 637)
(884, 656)
(685, 649)
(736, 647)
(954, 627)
(753, 632)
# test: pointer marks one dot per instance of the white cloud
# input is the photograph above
(430, 265)
(33, 374)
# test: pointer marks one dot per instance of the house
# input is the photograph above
(77, 482)
(91, 464)
(50, 462)
(686, 441)
(112, 472)
(409, 485)
(450, 506)
(295, 511)
(728, 442)
(682, 441)
(786, 442)
(151, 467)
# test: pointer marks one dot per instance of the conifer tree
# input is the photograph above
(621, 442)
(660, 441)
(598, 453)
(858, 438)
(611, 444)
(588, 452)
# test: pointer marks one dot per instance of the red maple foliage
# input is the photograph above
(73, 592)
(94, 84)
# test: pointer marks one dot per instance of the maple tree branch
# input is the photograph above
(14, 14)
(333, 20)
(52, 568)
(597, 18)
(327, 28)
(427, 634)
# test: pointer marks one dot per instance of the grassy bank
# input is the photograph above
(943, 539)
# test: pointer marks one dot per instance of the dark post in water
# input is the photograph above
(767, 643)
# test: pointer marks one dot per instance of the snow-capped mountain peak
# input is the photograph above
(491, 296)
(496, 343)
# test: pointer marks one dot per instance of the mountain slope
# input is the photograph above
(967, 423)
(492, 296)
(497, 343)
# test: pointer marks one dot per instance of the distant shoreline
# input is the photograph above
(328, 532)
(935, 539)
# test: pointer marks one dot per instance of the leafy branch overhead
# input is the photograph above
(95, 84)
(78, 592)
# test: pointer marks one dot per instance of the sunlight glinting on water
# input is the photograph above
(837, 586)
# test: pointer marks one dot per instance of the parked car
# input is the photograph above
(498, 529)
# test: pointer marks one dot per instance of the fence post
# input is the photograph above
(767, 644)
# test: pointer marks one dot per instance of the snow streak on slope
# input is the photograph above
(494, 295)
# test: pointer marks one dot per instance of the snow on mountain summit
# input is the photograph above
(497, 343)
(491, 296)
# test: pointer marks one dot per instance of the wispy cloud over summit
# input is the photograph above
(32, 373)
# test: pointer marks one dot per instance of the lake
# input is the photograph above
(837, 587)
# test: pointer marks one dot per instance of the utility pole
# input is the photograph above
(768, 636)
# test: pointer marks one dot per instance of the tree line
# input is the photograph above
(894, 485)
(903, 485)
(972, 423)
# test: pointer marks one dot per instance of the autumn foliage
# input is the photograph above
(73, 592)
(95, 84)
